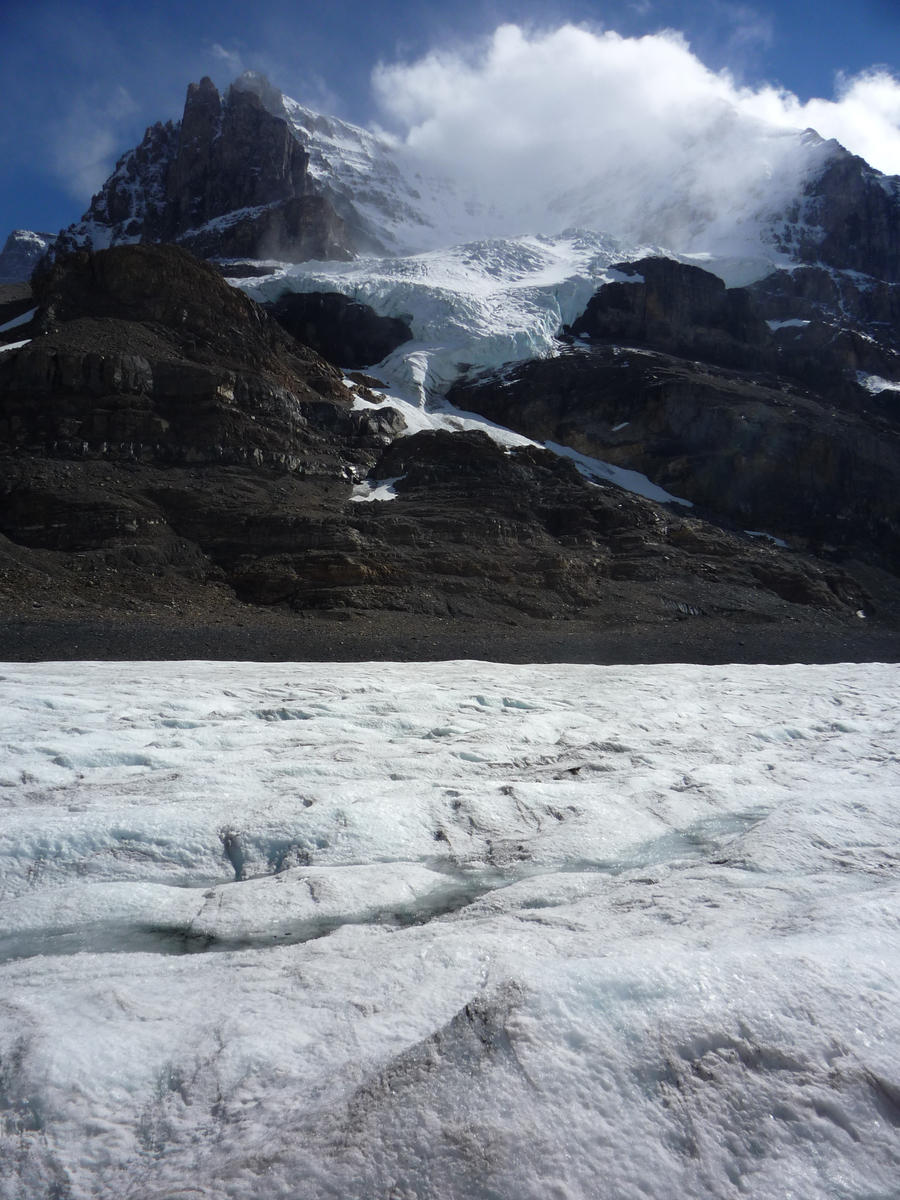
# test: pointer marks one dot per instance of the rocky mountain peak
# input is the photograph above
(847, 216)
(257, 84)
(202, 119)
(232, 154)
(21, 253)
(230, 179)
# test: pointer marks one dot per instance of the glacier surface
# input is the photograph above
(456, 929)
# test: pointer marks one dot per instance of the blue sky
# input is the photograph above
(83, 80)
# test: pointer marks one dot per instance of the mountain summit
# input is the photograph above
(230, 179)
(254, 174)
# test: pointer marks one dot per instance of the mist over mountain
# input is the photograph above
(694, 169)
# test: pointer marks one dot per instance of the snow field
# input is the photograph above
(454, 929)
(473, 307)
(875, 384)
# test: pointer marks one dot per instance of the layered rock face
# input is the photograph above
(229, 180)
(146, 354)
(164, 441)
(757, 418)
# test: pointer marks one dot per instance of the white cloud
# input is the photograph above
(89, 139)
(634, 134)
(231, 58)
(864, 117)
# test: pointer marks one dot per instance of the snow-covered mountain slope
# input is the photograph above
(487, 273)
(364, 178)
(456, 930)
(473, 307)
(478, 309)
(743, 190)
(406, 204)
(494, 280)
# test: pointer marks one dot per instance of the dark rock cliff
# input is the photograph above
(340, 329)
(164, 442)
(685, 381)
(229, 180)
(848, 217)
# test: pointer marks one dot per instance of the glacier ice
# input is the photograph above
(475, 305)
(456, 929)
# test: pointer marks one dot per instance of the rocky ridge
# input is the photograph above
(230, 179)
(165, 442)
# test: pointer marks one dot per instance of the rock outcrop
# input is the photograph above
(21, 253)
(230, 180)
(812, 324)
(163, 441)
(680, 310)
(767, 428)
(145, 354)
(344, 331)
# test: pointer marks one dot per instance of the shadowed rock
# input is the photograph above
(344, 331)
(163, 442)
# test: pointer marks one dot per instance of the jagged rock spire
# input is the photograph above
(230, 179)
